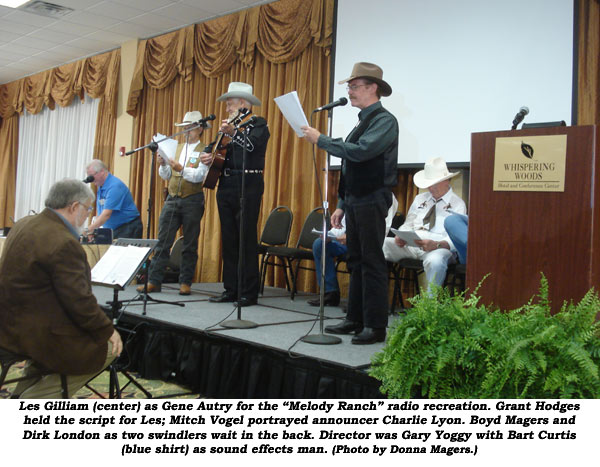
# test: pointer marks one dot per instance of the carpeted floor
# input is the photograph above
(101, 384)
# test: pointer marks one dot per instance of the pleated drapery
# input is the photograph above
(96, 76)
(278, 48)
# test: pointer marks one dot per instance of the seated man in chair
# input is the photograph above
(335, 249)
(426, 217)
(47, 309)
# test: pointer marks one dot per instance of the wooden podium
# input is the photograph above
(516, 235)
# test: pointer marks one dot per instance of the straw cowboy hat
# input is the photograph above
(241, 91)
(434, 172)
(371, 72)
(193, 117)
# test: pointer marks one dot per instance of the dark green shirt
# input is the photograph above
(381, 136)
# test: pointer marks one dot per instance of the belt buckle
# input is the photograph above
(226, 172)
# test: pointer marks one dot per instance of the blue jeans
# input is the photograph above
(333, 249)
(457, 226)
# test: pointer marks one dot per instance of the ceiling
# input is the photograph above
(30, 42)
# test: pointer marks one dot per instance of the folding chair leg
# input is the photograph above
(263, 273)
(294, 278)
(64, 386)
(287, 266)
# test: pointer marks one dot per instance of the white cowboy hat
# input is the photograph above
(371, 72)
(241, 91)
(434, 172)
(193, 117)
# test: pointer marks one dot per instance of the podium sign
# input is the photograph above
(535, 163)
(515, 236)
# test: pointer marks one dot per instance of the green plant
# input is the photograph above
(454, 347)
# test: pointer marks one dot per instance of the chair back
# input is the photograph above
(276, 231)
(398, 220)
(314, 220)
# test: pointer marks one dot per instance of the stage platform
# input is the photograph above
(188, 345)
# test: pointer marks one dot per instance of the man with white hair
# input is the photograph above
(47, 309)
(426, 217)
(239, 100)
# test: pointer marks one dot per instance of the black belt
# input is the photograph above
(227, 172)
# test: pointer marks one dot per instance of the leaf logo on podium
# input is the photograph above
(527, 150)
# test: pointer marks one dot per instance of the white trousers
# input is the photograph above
(435, 263)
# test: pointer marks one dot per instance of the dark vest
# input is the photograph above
(362, 178)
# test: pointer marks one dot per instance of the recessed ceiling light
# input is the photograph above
(51, 10)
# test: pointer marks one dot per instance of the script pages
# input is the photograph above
(290, 107)
(119, 265)
(409, 236)
(167, 147)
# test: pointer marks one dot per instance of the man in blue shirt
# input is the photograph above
(115, 208)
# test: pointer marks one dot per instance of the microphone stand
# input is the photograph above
(321, 338)
(240, 323)
(153, 146)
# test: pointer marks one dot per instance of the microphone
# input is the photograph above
(208, 118)
(88, 179)
(331, 105)
(250, 121)
(519, 117)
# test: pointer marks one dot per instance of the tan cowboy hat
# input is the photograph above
(241, 91)
(434, 172)
(192, 117)
(371, 72)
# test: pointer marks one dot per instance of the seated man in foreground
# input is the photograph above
(426, 217)
(47, 310)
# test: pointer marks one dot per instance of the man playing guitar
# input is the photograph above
(238, 104)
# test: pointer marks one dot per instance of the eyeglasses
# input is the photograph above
(354, 87)
(87, 208)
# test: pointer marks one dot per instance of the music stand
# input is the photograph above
(322, 338)
(127, 269)
(144, 297)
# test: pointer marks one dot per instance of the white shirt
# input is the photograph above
(189, 174)
(388, 220)
(447, 205)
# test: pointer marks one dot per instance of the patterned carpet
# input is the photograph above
(101, 384)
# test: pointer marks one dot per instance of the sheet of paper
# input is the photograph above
(167, 147)
(118, 264)
(290, 107)
(409, 236)
(330, 234)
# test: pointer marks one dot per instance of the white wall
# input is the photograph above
(458, 67)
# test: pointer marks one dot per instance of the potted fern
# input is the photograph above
(454, 347)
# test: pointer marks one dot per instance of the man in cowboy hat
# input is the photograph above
(426, 217)
(369, 157)
(253, 137)
(184, 206)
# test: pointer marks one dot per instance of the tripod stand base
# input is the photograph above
(321, 339)
(239, 324)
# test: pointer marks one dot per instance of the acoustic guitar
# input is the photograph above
(219, 150)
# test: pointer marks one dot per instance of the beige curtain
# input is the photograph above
(278, 48)
(97, 76)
